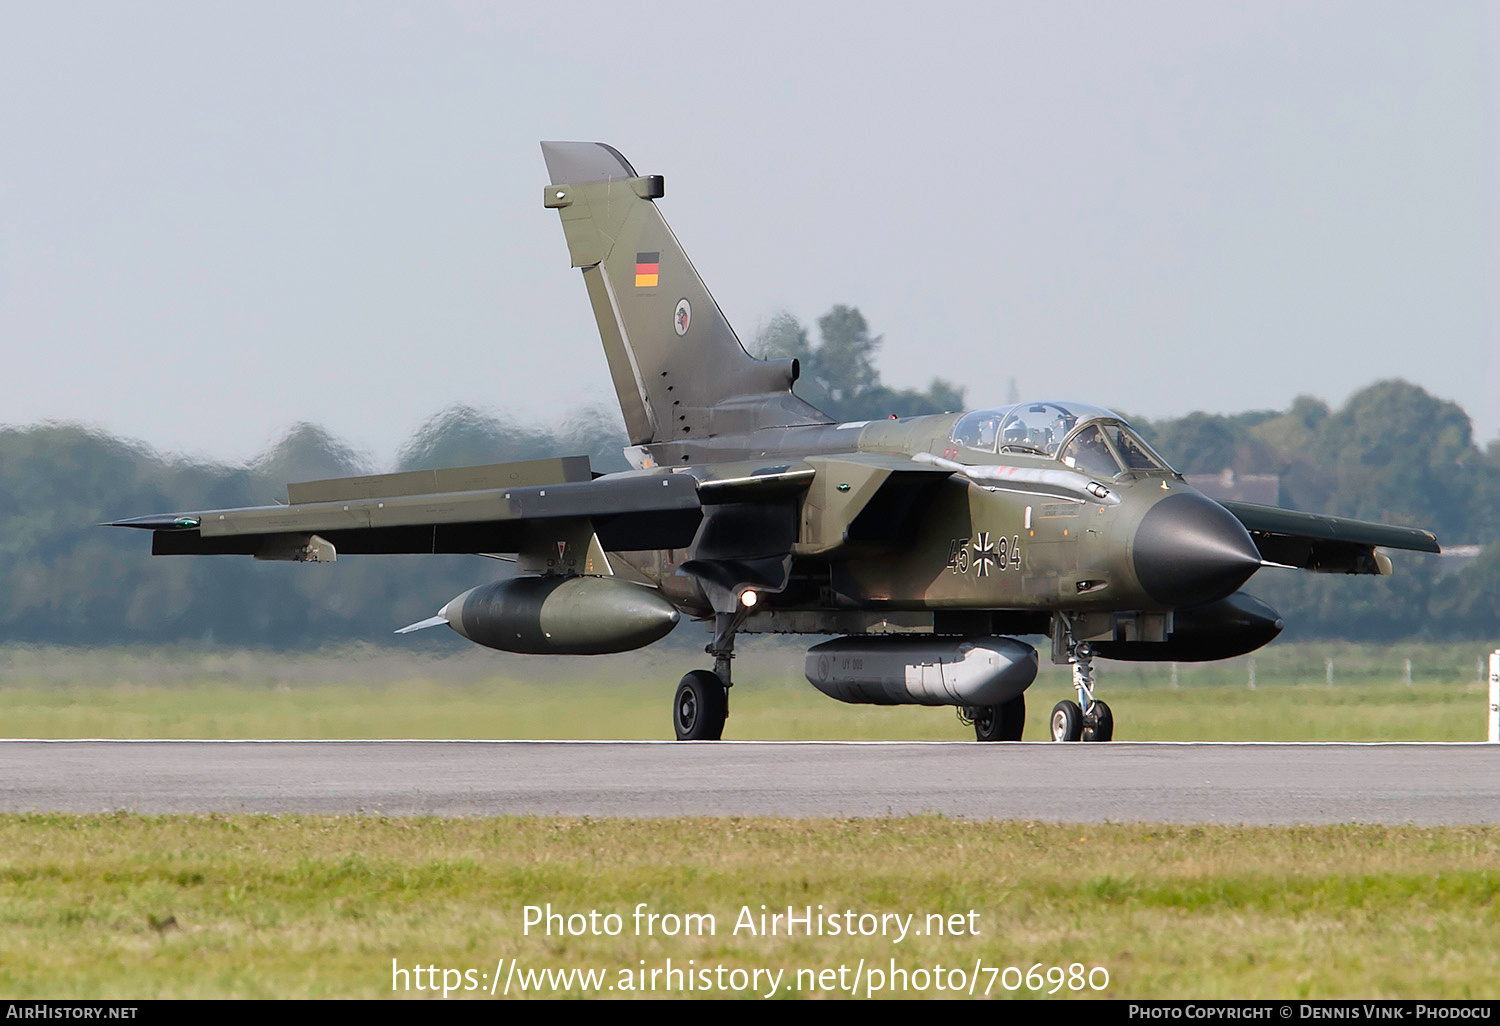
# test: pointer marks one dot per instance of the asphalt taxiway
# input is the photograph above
(1425, 784)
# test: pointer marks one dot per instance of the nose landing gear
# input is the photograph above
(1087, 719)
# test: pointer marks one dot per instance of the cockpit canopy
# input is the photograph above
(1086, 438)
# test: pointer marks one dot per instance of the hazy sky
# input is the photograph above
(217, 220)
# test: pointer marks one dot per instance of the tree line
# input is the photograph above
(1394, 454)
(1391, 453)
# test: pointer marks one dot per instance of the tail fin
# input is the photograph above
(678, 367)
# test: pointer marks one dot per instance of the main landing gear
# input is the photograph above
(1003, 722)
(1087, 719)
(702, 702)
(701, 706)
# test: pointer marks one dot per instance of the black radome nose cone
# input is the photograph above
(1190, 550)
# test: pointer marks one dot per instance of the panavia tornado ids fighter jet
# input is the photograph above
(929, 546)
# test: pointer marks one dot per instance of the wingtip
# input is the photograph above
(158, 522)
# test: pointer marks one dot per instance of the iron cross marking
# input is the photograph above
(984, 555)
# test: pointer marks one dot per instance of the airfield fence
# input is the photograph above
(1310, 663)
(1331, 664)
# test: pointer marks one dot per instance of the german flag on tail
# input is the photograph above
(647, 269)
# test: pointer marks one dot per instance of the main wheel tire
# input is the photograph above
(700, 707)
(1067, 721)
(1099, 724)
(1003, 722)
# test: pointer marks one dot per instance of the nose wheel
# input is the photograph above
(1098, 723)
(1070, 723)
(1067, 721)
(1087, 719)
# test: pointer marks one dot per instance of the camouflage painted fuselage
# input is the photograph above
(961, 546)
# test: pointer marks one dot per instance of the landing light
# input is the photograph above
(748, 599)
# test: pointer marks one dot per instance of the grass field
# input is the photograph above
(132, 906)
(376, 692)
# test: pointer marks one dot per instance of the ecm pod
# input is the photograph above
(976, 672)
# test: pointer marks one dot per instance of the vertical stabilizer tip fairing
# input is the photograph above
(580, 163)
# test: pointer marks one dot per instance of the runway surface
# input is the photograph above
(1121, 782)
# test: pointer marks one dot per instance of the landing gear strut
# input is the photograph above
(701, 704)
(1087, 719)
